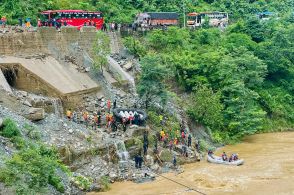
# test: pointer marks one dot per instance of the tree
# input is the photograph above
(101, 49)
(151, 87)
(135, 47)
(242, 65)
(206, 108)
(243, 115)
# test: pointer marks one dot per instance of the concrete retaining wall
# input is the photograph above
(46, 40)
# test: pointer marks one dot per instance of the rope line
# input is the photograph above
(173, 192)
(188, 187)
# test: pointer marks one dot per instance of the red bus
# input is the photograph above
(77, 18)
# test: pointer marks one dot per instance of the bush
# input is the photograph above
(57, 183)
(154, 118)
(166, 156)
(10, 129)
(19, 142)
(204, 146)
(31, 169)
(82, 182)
(32, 132)
(105, 183)
(138, 142)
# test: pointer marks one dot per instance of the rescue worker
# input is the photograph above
(85, 117)
(74, 117)
(210, 153)
(108, 105)
(124, 124)
(145, 148)
(69, 114)
(114, 104)
(224, 156)
(95, 121)
(174, 161)
(189, 140)
(162, 135)
(197, 146)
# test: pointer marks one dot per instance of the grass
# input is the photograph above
(82, 182)
(105, 183)
(10, 129)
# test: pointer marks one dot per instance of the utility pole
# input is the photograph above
(184, 13)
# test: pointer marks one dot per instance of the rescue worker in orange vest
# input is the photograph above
(110, 120)
(85, 117)
(69, 114)
(95, 122)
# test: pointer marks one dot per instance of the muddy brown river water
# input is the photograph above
(268, 169)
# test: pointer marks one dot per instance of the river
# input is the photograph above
(268, 169)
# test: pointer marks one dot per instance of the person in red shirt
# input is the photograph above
(108, 105)
(183, 135)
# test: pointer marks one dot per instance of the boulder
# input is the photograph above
(35, 114)
(27, 103)
(23, 93)
(128, 66)
(135, 131)
(100, 97)
(95, 187)
(113, 176)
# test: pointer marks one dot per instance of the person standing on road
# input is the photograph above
(20, 22)
(39, 23)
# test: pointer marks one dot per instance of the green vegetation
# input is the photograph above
(240, 80)
(33, 167)
(135, 47)
(10, 129)
(105, 183)
(206, 108)
(31, 170)
(166, 156)
(32, 132)
(101, 50)
(150, 86)
(84, 183)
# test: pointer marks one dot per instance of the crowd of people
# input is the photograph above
(100, 118)
(105, 118)
(172, 138)
(111, 27)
